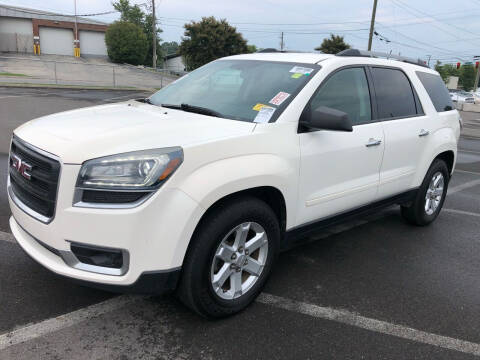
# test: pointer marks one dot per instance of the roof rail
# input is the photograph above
(268, 50)
(272, 50)
(373, 54)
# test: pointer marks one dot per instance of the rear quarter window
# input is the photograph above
(394, 94)
(437, 91)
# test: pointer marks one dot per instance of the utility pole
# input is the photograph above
(372, 25)
(154, 29)
(281, 42)
(428, 61)
(76, 52)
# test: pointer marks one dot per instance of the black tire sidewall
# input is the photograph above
(206, 241)
(421, 216)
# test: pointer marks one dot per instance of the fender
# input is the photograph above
(215, 180)
(442, 140)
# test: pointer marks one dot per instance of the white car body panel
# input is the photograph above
(330, 188)
(88, 133)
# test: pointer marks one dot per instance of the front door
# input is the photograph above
(339, 171)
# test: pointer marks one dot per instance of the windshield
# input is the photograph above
(247, 90)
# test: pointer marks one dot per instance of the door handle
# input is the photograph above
(373, 142)
(423, 132)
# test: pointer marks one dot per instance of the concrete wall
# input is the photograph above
(92, 43)
(16, 35)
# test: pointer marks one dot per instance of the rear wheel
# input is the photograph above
(230, 258)
(430, 196)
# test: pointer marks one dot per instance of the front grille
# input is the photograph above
(39, 193)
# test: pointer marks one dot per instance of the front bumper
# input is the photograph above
(155, 235)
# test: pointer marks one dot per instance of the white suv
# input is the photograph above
(197, 188)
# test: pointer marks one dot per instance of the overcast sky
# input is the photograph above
(446, 30)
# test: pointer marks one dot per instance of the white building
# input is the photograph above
(36, 31)
(174, 63)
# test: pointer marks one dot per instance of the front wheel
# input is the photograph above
(230, 258)
(430, 196)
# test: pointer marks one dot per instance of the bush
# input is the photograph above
(126, 43)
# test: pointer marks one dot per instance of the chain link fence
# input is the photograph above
(86, 72)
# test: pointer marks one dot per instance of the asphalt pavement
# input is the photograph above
(373, 288)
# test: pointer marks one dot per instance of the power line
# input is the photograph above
(275, 24)
(433, 17)
(40, 12)
(400, 5)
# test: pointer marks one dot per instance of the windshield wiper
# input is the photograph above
(145, 100)
(193, 109)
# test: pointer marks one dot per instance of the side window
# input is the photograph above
(437, 91)
(394, 93)
(347, 91)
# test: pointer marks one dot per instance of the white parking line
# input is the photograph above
(462, 212)
(467, 172)
(7, 237)
(469, 151)
(49, 326)
(463, 186)
(63, 321)
(352, 319)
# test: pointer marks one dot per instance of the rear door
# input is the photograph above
(339, 171)
(406, 129)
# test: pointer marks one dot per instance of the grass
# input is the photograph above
(10, 74)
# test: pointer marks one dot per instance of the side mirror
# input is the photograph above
(325, 118)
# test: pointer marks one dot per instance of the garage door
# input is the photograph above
(56, 41)
(92, 43)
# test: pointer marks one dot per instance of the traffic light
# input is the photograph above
(458, 65)
(477, 63)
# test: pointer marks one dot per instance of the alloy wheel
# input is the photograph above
(239, 260)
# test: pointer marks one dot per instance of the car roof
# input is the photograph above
(314, 58)
(297, 57)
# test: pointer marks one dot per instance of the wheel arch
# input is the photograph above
(271, 195)
(449, 158)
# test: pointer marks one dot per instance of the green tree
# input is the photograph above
(446, 70)
(332, 45)
(251, 48)
(129, 13)
(169, 48)
(135, 15)
(126, 43)
(467, 77)
(210, 39)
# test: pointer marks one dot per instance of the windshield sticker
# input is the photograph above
(297, 75)
(259, 106)
(301, 70)
(264, 115)
(279, 98)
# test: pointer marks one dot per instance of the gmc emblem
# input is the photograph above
(21, 166)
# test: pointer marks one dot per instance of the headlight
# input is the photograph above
(139, 170)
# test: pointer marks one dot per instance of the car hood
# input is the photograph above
(87, 133)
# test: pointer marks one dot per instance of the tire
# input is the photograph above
(216, 250)
(423, 211)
